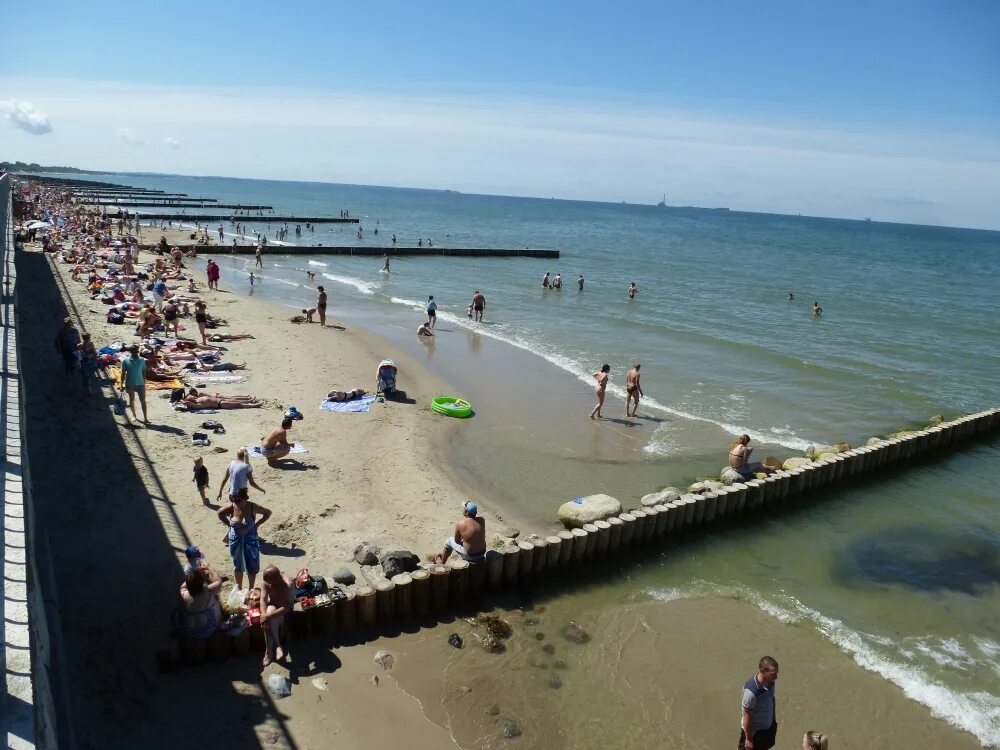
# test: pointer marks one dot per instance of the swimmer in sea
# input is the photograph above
(545, 281)
(385, 267)
(817, 310)
(632, 290)
(579, 282)
(791, 296)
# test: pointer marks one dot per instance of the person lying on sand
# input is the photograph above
(469, 540)
(345, 395)
(196, 400)
(275, 445)
(229, 336)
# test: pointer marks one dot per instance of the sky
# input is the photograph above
(889, 110)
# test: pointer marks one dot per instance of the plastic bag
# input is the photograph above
(235, 600)
(279, 685)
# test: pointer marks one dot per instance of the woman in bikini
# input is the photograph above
(739, 459)
(201, 317)
(345, 395)
(196, 400)
(602, 385)
(170, 318)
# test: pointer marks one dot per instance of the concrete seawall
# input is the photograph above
(572, 555)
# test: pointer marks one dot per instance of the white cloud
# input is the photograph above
(26, 116)
(522, 146)
(172, 143)
(129, 136)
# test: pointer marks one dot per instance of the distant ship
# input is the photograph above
(663, 203)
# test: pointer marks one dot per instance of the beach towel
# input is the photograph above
(197, 411)
(253, 451)
(151, 385)
(356, 406)
(220, 376)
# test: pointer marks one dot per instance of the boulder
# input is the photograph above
(873, 441)
(705, 486)
(343, 575)
(731, 476)
(842, 447)
(667, 495)
(814, 450)
(508, 728)
(825, 456)
(936, 420)
(576, 634)
(399, 561)
(796, 463)
(583, 510)
(366, 554)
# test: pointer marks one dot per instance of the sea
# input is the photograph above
(900, 575)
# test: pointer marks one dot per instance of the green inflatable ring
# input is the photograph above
(451, 406)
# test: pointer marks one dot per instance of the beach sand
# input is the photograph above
(118, 506)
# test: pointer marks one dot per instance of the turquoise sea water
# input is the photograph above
(903, 574)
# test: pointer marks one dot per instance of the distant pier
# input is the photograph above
(392, 252)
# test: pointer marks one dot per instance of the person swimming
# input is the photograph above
(817, 310)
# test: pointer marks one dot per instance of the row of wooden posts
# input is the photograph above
(439, 589)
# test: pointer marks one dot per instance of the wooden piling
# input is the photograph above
(639, 535)
(385, 596)
(458, 581)
(628, 528)
(367, 606)
(527, 561)
(540, 561)
(615, 536)
(477, 578)
(421, 591)
(511, 563)
(579, 545)
(590, 542)
(494, 569)
(552, 552)
(347, 612)
(439, 587)
(603, 538)
(566, 547)
(404, 595)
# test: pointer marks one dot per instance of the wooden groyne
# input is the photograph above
(266, 219)
(435, 591)
(181, 203)
(392, 252)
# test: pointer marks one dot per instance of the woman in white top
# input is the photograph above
(239, 475)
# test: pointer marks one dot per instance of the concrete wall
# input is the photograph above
(27, 711)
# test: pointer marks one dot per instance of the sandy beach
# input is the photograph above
(375, 477)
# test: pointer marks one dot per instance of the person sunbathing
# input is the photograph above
(345, 395)
(230, 336)
(196, 400)
(199, 366)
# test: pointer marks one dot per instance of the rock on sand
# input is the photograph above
(583, 510)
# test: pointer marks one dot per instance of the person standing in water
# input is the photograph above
(791, 296)
(632, 290)
(601, 377)
(545, 280)
(557, 282)
(431, 311)
(633, 390)
(321, 306)
(817, 310)
(579, 282)
(258, 262)
(385, 265)
(478, 306)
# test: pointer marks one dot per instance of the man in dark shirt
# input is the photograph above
(759, 724)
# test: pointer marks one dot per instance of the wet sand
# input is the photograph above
(664, 674)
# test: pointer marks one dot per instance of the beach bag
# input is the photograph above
(177, 394)
(119, 405)
(309, 585)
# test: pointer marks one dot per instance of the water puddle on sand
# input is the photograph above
(652, 672)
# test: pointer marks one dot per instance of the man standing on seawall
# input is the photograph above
(759, 721)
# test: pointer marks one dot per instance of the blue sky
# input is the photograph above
(766, 105)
